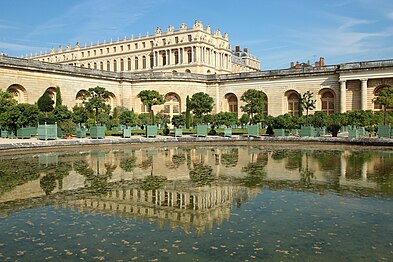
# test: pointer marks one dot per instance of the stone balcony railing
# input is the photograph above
(13, 62)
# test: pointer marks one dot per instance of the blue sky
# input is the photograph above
(277, 32)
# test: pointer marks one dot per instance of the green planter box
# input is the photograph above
(151, 131)
(307, 131)
(201, 130)
(362, 131)
(227, 132)
(384, 131)
(253, 130)
(60, 133)
(294, 132)
(97, 132)
(353, 133)
(24, 133)
(279, 132)
(178, 132)
(81, 132)
(320, 131)
(47, 132)
(4, 133)
(126, 132)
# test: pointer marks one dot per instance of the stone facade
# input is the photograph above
(337, 88)
(187, 50)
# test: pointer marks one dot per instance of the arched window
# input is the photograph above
(95, 65)
(79, 97)
(129, 64)
(189, 55)
(187, 71)
(121, 65)
(172, 104)
(19, 93)
(136, 63)
(163, 58)
(176, 57)
(114, 65)
(232, 103)
(144, 62)
(293, 104)
(327, 101)
(379, 107)
(101, 65)
(151, 61)
(108, 65)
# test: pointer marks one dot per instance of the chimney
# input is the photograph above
(297, 66)
(291, 65)
(245, 50)
(237, 48)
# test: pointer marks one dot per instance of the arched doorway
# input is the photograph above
(376, 106)
(19, 93)
(232, 103)
(80, 97)
(328, 101)
(172, 104)
(293, 102)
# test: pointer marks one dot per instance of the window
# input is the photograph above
(327, 100)
(151, 44)
(163, 58)
(136, 63)
(121, 48)
(176, 57)
(129, 47)
(83, 54)
(114, 65)
(101, 65)
(189, 55)
(189, 38)
(88, 53)
(121, 65)
(108, 65)
(101, 51)
(232, 103)
(176, 40)
(143, 44)
(293, 104)
(136, 45)
(172, 104)
(107, 50)
(114, 49)
(95, 52)
(129, 64)
(144, 62)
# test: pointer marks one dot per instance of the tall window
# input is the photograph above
(189, 55)
(172, 104)
(232, 103)
(102, 65)
(144, 62)
(121, 64)
(176, 57)
(108, 65)
(114, 65)
(164, 58)
(136, 63)
(293, 104)
(327, 100)
(129, 64)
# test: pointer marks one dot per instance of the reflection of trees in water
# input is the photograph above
(146, 163)
(153, 182)
(328, 160)
(293, 158)
(48, 183)
(98, 181)
(306, 175)
(54, 172)
(230, 158)
(255, 175)
(202, 175)
(18, 172)
(355, 163)
(128, 163)
(382, 173)
(177, 160)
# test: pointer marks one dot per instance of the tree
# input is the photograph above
(59, 100)
(255, 103)
(226, 118)
(7, 104)
(307, 103)
(94, 101)
(79, 114)
(385, 99)
(129, 118)
(188, 115)
(162, 119)
(22, 115)
(151, 98)
(178, 120)
(45, 103)
(201, 103)
(244, 119)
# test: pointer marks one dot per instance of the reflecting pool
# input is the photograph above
(226, 203)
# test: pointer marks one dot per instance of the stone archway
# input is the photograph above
(232, 104)
(292, 102)
(327, 99)
(19, 93)
(79, 97)
(172, 105)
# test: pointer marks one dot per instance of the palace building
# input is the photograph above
(179, 63)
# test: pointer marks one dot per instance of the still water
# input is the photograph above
(198, 204)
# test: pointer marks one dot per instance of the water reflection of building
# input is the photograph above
(176, 204)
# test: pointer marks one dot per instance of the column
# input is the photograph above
(182, 56)
(154, 59)
(166, 57)
(343, 96)
(192, 55)
(170, 57)
(364, 94)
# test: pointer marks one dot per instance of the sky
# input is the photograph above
(276, 31)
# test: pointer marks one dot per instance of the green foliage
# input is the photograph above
(153, 182)
(145, 119)
(94, 101)
(226, 118)
(188, 114)
(7, 104)
(244, 120)
(67, 126)
(60, 113)
(129, 118)
(320, 119)
(45, 103)
(151, 98)
(202, 175)
(385, 98)
(59, 100)
(79, 114)
(178, 120)
(307, 103)
(162, 119)
(255, 103)
(210, 119)
(201, 103)
(128, 163)
(22, 115)
(285, 121)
